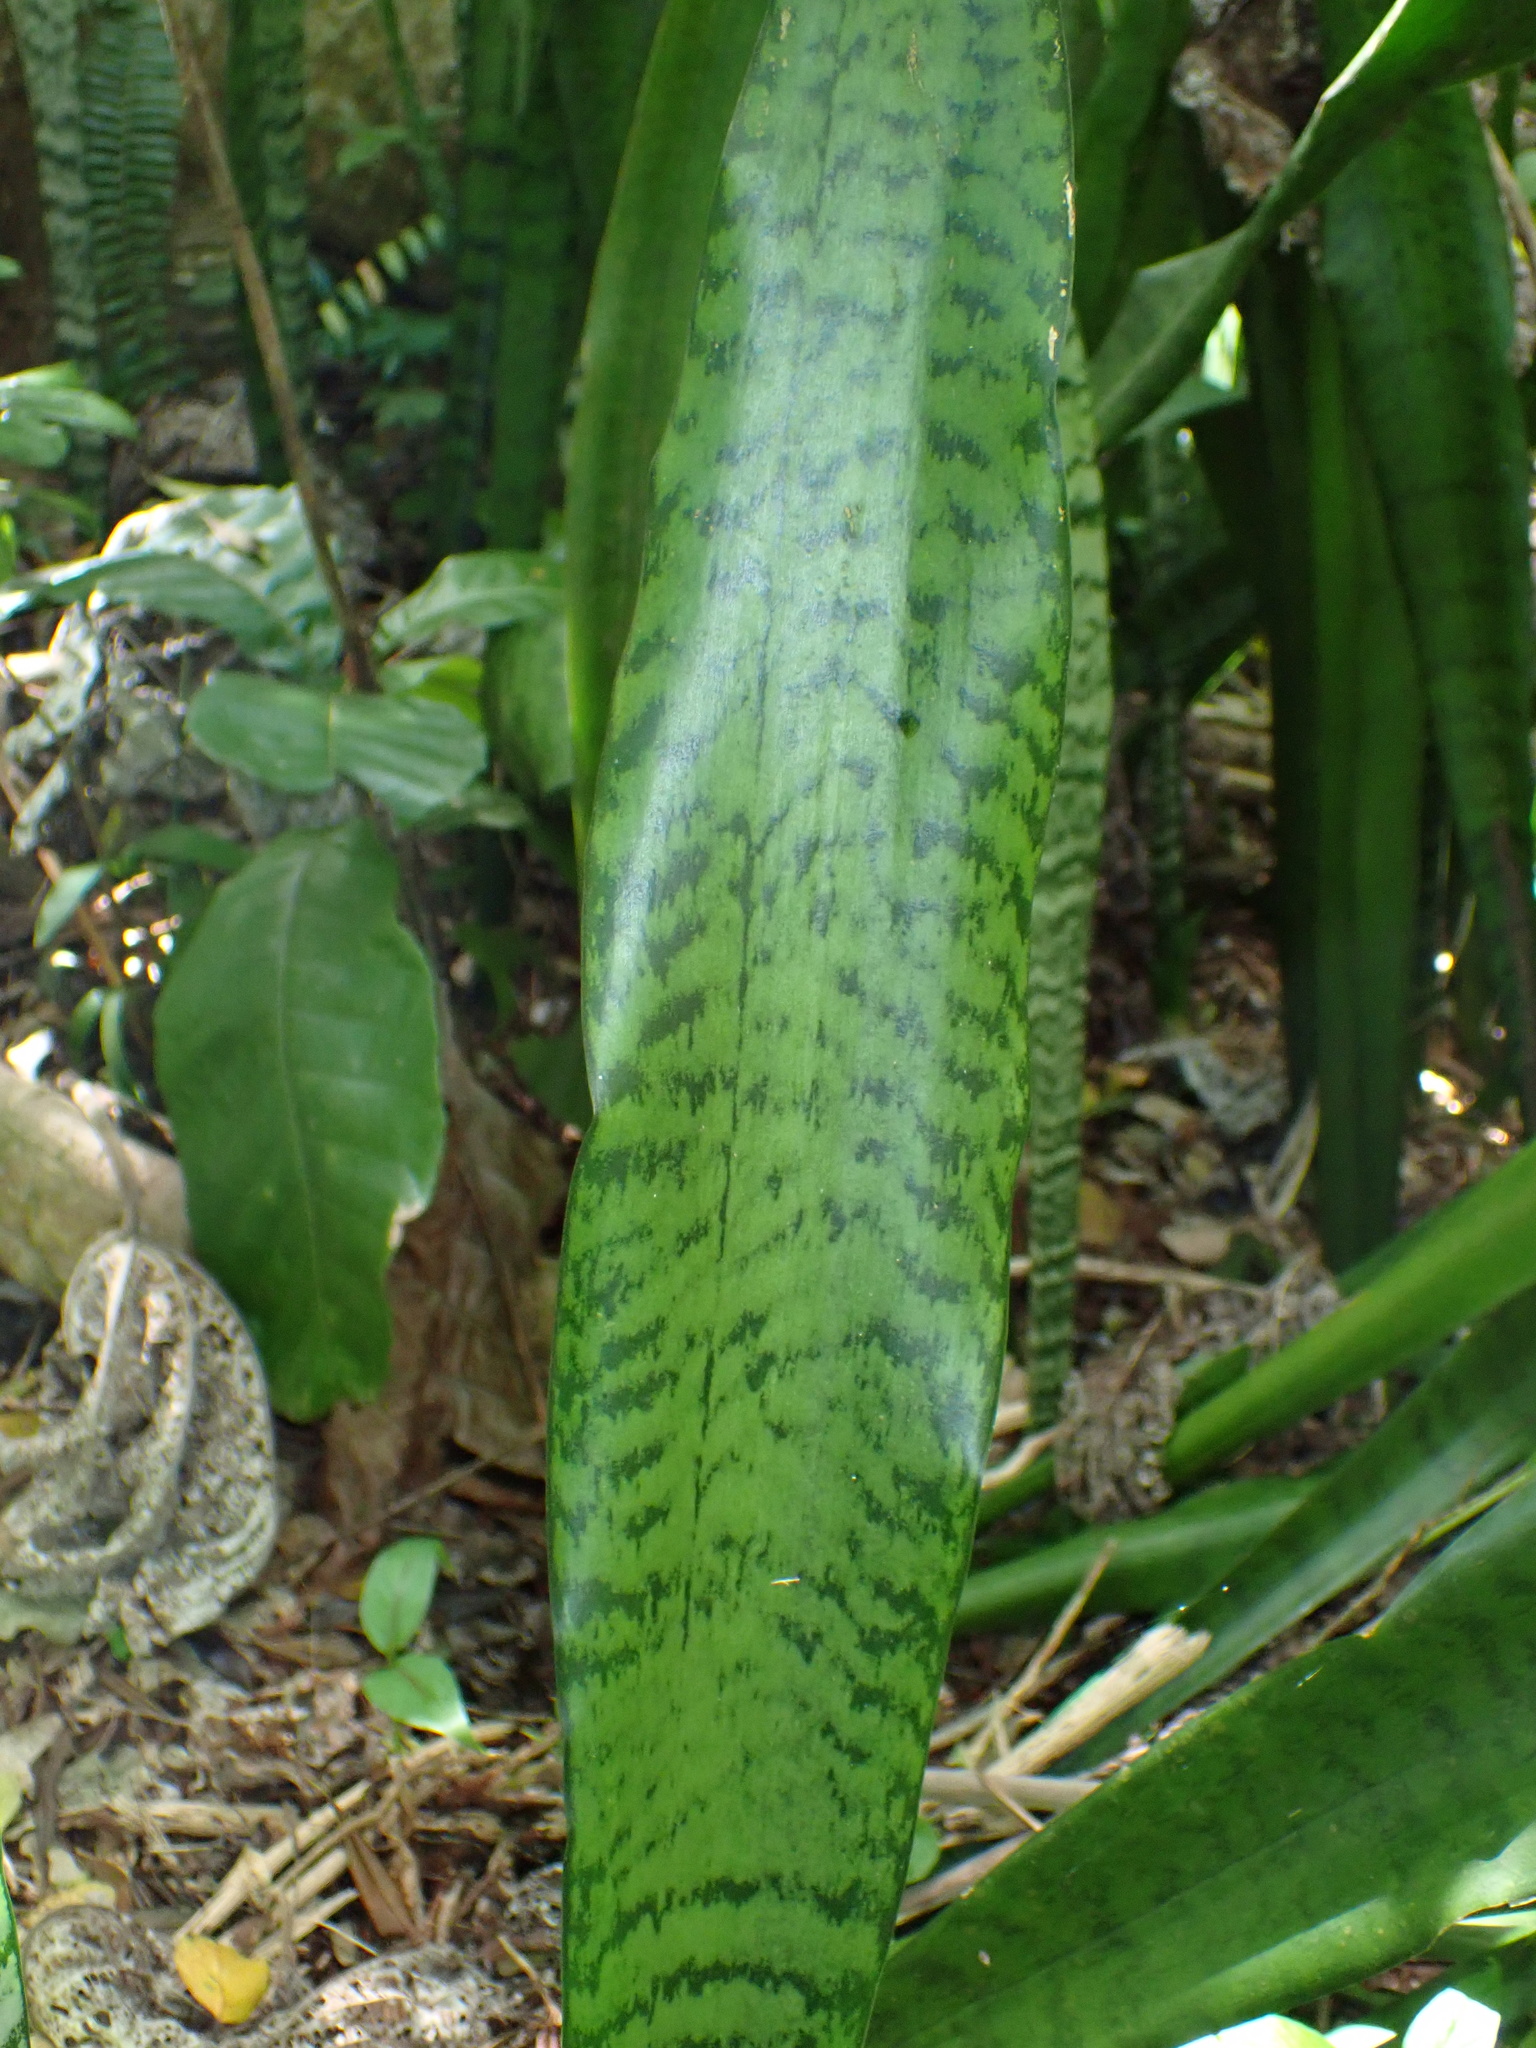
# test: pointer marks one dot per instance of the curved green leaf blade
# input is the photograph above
(1158, 1562)
(176, 585)
(419, 1692)
(807, 890)
(1323, 1823)
(636, 334)
(75, 886)
(1461, 1261)
(1368, 758)
(296, 1047)
(1170, 308)
(1474, 1415)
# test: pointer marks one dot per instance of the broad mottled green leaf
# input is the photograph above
(412, 752)
(296, 1047)
(816, 825)
(635, 336)
(1326, 1821)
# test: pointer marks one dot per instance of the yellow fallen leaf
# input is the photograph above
(18, 1422)
(1099, 1216)
(220, 1978)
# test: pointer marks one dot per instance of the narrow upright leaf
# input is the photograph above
(808, 883)
(636, 333)
(296, 1048)
(1062, 922)
(1415, 254)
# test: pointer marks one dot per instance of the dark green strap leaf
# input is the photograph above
(1417, 46)
(296, 1047)
(1416, 259)
(807, 893)
(1158, 1562)
(1325, 1822)
(636, 333)
(1367, 764)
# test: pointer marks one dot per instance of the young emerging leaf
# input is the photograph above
(420, 1692)
(397, 1592)
(74, 887)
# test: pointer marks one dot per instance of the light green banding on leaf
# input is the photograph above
(1062, 920)
(808, 881)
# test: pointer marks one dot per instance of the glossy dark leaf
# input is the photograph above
(296, 1047)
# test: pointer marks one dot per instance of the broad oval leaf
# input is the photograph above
(816, 823)
(275, 731)
(397, 1592)
(1323, 1823)
(413, 753)
(296, 1047)
(496, 587)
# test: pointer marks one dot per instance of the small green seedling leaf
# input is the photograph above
(420, 1692)
(397, 1593)
(1272, 2031)
(1359, 2036)
(924, 1859)
(74, 887)
(1453, 2021)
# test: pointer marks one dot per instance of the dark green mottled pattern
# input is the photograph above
(808, 893)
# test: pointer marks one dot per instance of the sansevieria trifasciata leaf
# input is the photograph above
(808, 886)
